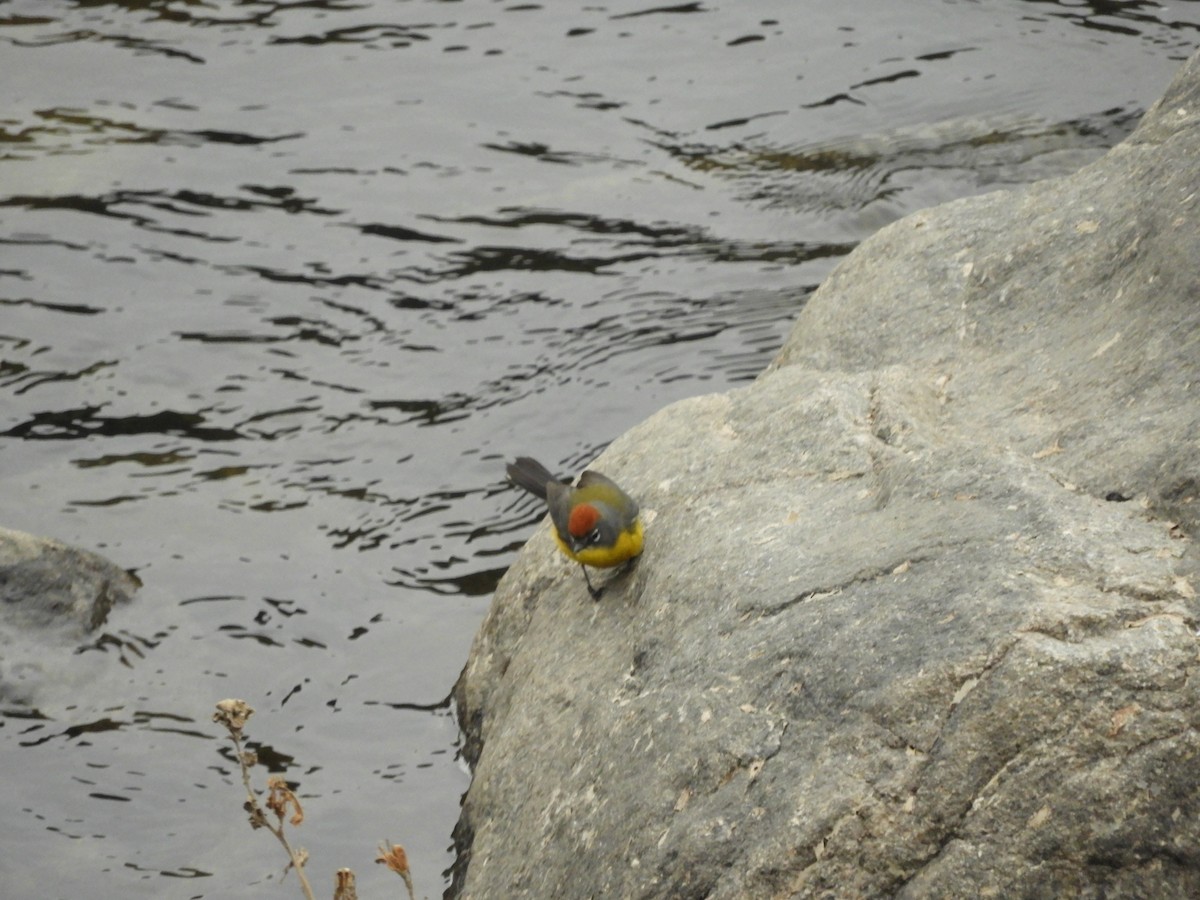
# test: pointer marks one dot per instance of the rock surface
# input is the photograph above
(916, 614)
(50, 594)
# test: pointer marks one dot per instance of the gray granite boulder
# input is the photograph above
(916, 615)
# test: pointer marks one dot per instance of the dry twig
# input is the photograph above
(234, 714)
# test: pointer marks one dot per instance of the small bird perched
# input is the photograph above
(595, 523)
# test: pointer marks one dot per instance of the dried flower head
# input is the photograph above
(345, 888)
(233, 714)
(280, 797)
(257, 818)
(394, 857)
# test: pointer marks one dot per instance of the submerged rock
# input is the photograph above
(44, 582)
(916, 614)
(50, 594)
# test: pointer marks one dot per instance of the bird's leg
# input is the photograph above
(595, 592)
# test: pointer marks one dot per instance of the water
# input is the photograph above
(283, 284)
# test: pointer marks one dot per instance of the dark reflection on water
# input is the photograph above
(84, 422)
(282, 285)
(1127, 18)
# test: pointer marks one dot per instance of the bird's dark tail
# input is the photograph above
(530, 474)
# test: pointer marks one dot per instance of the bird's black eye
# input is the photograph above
(594, 537)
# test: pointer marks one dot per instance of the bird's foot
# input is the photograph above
(596, 592)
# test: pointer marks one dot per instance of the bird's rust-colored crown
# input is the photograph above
(583, 519)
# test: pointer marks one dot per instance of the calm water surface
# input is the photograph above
(282, 284)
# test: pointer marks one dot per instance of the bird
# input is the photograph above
(595, 522)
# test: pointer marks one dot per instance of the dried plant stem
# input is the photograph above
(258, 817)
(280, 800)
(233, 715)
(251, 799)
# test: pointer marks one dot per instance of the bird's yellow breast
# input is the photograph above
(627, 546)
